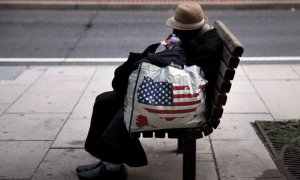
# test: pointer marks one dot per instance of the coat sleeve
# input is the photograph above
(122, 73)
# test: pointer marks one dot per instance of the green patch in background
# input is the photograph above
(283, 140)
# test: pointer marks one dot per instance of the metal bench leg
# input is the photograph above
(189, 159)
(180, 145)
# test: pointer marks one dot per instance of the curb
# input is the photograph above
(60, 61)
(270, 60)
(144, 6)
(118, 61)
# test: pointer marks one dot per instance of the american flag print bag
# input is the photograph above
(164, 98)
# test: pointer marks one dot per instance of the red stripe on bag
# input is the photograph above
(186, 103)
(185, 95)
(177, 88)
(159, 111)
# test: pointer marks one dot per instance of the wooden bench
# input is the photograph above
(232, 50)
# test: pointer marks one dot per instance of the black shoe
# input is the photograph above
(100, 173)
(88, 167)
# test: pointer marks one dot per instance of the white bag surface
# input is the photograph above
(164, 98)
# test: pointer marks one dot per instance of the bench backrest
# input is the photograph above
(232, 50)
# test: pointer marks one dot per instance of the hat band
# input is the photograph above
(194, 25)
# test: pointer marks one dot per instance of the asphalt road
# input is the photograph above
(100, 34)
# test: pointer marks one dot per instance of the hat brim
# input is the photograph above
(171, 22)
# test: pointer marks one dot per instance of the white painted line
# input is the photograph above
(280, 58)
(96, 60)
(87, 61)
(31, 59)
(60, 61)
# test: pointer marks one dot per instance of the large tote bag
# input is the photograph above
(164, 98)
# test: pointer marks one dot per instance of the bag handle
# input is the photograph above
(150, 49)
(134, 92)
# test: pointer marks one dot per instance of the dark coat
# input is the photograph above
(205, 51)
(108, 138)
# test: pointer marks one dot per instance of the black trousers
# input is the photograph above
(108, 138)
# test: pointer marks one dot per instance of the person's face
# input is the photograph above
(185, 35)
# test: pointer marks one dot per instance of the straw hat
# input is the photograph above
(187, 16)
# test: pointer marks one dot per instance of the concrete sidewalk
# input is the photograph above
(45, 114)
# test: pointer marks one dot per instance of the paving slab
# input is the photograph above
(164, 156)
(243, 159)
(30, 126)
(58, 79)
(242, 86)
(70, 71)
(270, 72)
(3, 108)
(45, 103)
(84, 108)
(238, 127)
(281, 97)
(243, 97)
(166, 149)
(10, 93)
(10, 72)
(101, 81)
(28, 76)
(204, 157)
(40, 113)
(63, 84)
(258, 178)
(244, 103)
(73, 134)
(60, 164)
(159, 144)
(240, 73)
(204, 154)
(165, 162)
(206, 171)
(171, 170)
(98, 86)
(203, 145)
(296, 68)
(20, 159)
(166, 144)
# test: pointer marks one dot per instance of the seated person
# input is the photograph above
(108, 139)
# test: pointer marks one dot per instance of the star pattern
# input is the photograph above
(155, 93)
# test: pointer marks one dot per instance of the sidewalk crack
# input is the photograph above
(50, 147)
(214, 157)
(294, 70)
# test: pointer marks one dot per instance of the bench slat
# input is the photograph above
(198, 133)
(226, 73)
(230, 60)
(224, 86)
(215, 110)
(207, 130)
(229, 39)
(214, 122)
(219, 98)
